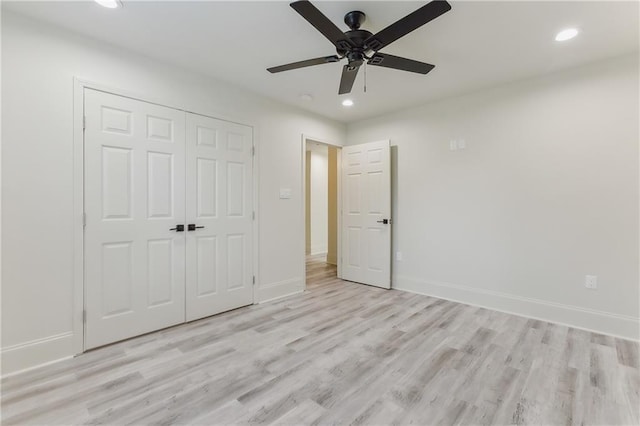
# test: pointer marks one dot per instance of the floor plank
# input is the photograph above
(341, 353)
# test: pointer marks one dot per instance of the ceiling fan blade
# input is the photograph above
(349, 73)
(398, 63)
(316, 18)
(404, 26)
(302, 64)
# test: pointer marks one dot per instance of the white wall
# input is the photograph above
(38, 66)
(545, 193)
(319, 199)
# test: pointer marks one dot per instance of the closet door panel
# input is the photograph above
(134, 195)
(219, 203)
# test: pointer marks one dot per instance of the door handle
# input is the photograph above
(384, 221)
(178, 228)
(193, 227)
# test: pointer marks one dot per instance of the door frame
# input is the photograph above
(79, 86)
(307, 138)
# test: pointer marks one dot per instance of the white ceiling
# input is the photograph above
(477, 44)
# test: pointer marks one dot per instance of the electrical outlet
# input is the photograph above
(591, 282)
(462, 144)
(453, 145)
(399, 256)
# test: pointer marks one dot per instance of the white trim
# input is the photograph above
(1, 191)
(303, 249)
(280, 289)
(256, 222)
(303, 202)
(319, 249)
(283, 296)
(78, 216)
(79, 86)
(35, 353)
(339, 207)
(619, 326)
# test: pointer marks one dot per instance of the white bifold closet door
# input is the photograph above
(134, 195)
(148, 169)
(219, 204)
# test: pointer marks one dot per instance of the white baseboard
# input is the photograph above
(277, 290)
(282, 296)
(318, 250)
(35, 353)
(622, 326)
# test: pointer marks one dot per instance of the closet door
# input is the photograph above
(134, 200)
(219, 210)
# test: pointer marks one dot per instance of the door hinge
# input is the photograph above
(84, 315)
(254, 280)
(253, 215)
(84, 122)
(84, 220)
(253, 151)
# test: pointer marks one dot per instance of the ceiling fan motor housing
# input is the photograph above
(357, 50)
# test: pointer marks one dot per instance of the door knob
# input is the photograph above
(178, 228)
(193, 227)
(384, 221)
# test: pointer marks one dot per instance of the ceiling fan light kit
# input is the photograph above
(358, 45)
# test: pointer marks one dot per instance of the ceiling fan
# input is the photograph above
(358, 45)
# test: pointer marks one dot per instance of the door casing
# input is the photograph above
(79, 86)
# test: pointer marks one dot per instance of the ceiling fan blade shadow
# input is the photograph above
(323, 24)
(399, 63)
(349, 73)
(302, 64)
(404, 26)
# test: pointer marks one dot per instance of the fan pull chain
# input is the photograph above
(365, 77)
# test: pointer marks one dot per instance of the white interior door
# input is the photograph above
(220, 206)
(134, 195)
(366, 206)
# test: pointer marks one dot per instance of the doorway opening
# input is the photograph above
(321, 165)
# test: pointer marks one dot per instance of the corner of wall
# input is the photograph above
(622, 326)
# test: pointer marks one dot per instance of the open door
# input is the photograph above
(366, 214)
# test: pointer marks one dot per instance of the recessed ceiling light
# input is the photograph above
(306, 97)
(110, 4)
(347, 102)
(567, 34)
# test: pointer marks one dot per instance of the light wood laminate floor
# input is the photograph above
(341, 353)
